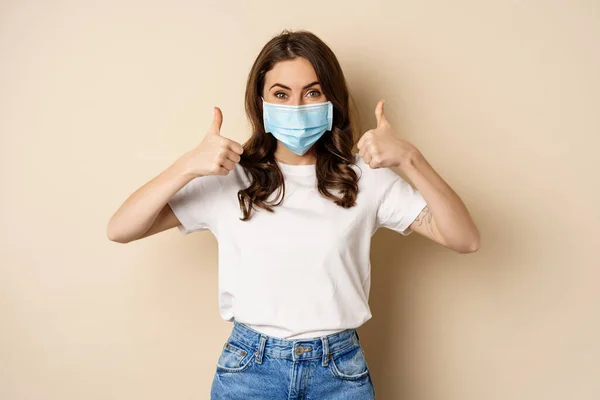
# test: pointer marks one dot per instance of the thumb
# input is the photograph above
(379, 114)
(215, 127)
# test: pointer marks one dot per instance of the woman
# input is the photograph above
(293, 211)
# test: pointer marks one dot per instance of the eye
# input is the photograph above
(280, 95)
(313, 93)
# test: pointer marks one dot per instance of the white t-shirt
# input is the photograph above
(304, 270)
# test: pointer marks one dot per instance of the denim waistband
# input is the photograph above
(294, 349)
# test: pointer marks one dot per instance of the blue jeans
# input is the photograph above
(254, 366)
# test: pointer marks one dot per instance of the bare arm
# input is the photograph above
(446, 219)
(146, 212)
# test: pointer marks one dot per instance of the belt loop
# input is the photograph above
(325, 360)
(357, 337)
(261, 349)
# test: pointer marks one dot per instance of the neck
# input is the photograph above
(284, 155)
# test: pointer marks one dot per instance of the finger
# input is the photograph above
(228, 164)
(379, 113)
(367, 157)
(233, 156)
(215, 127)
(361, 142)
(236, 147)
(362, 152)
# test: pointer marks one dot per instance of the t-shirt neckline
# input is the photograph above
(306, 170)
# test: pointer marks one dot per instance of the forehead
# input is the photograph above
(294, 73)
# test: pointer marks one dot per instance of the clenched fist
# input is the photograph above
(216, 154)
(382, 147)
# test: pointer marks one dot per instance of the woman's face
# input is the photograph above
(293, 82)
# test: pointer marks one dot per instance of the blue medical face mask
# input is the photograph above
(298, 127)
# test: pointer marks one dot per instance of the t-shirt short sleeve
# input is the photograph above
(399, 202)
(193, 204)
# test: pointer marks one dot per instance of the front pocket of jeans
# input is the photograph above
(235, 357)
(350, 364)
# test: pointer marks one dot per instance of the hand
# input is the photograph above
(215, 155)
(382, 147)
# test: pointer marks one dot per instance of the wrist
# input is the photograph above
(182, 167)
(411, 160)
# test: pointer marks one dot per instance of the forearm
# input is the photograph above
(453, 221)
(137, 214)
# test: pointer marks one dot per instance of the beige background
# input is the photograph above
(502, 97)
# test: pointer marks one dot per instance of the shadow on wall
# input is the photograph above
(401, 264)
(401, 267)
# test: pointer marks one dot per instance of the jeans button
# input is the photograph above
(299, 350)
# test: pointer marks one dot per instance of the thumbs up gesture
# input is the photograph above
(216, 154)
(382, 147)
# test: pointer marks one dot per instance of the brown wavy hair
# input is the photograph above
(333, 150)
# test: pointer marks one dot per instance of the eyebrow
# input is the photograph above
(285, 87)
